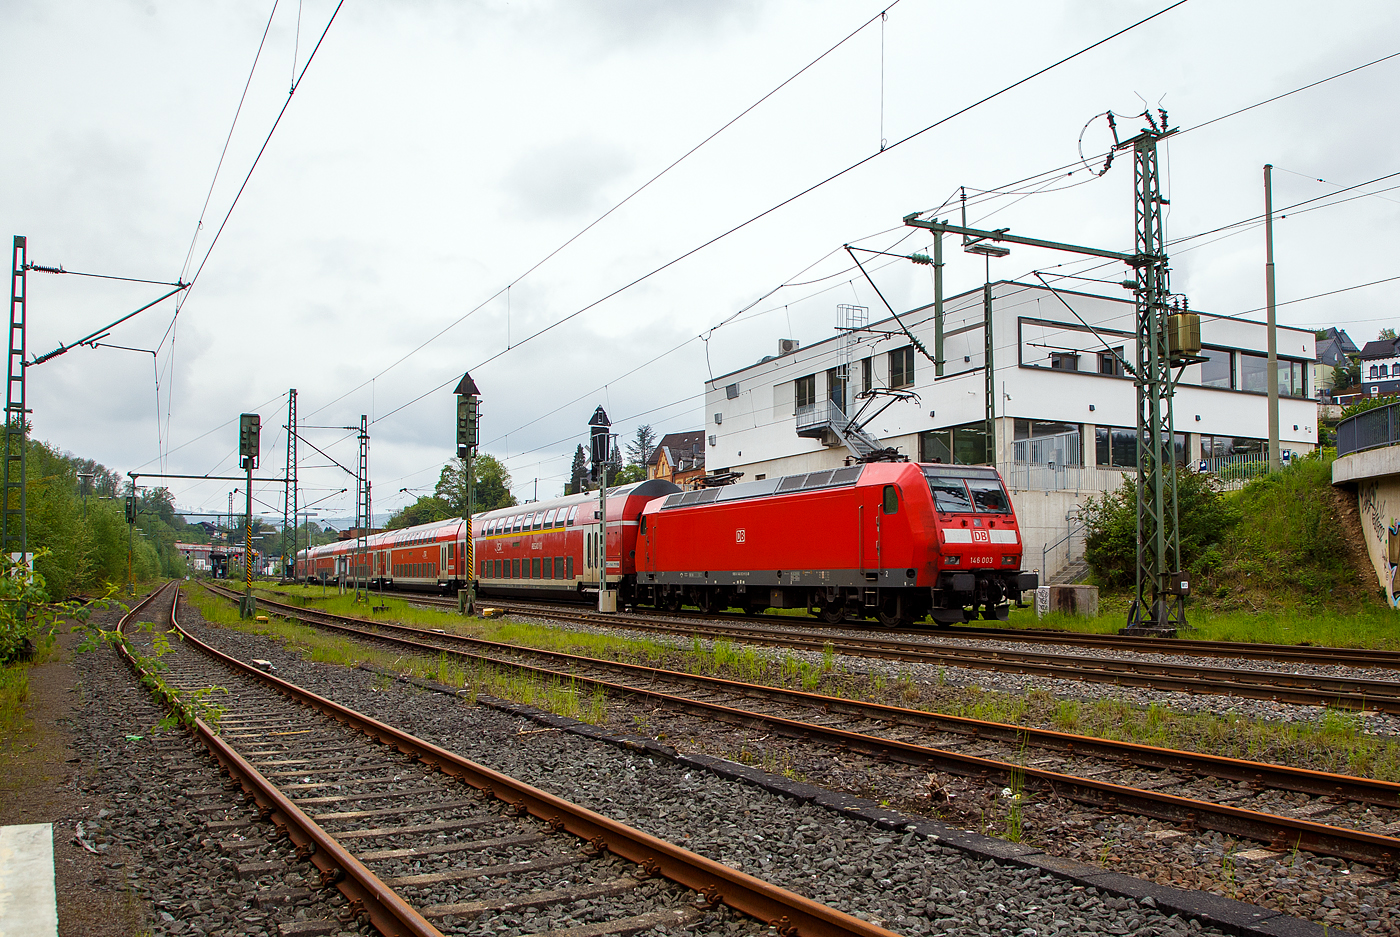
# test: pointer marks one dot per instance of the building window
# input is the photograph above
(867, 375)
(805, 390)
(1064, 361)
(1385, 370)
(902, 367)
(1374, 374)
(1116, 446)
(1254, 372)
(960, 445)
(1111, 362)
(1219, 368)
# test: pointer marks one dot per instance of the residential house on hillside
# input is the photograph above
(1380, 367)
(678, 458)
(1335, 349)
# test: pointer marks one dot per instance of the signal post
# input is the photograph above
(468, 418)
(249, 428)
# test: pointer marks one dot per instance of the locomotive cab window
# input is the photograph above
(989, 496)
(891, 500)
(950, 495)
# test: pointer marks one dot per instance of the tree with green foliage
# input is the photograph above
(640, 448)
(1204, 517)
(492, 488)
(1344, 376)
(423, 511)
(578, 473)
(1387, 334)
(631, 472)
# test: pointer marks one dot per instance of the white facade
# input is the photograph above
(1056, 379)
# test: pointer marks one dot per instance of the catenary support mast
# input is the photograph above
(1157, 603)
(15, 533)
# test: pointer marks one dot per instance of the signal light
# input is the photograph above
(131, 509)
(249, 430)
(467, 418)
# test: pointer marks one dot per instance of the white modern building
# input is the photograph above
(1065, 410)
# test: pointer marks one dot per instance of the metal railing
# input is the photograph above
(1370, 429)
(1031, 476)
(1060, 449)
(1074, 529)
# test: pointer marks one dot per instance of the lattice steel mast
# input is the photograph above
(1157, 603)
(14, 535)
(289, 490)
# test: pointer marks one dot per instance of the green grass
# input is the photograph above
(1372, 625)
(560, 696)
(14, 694)
(1337, 742)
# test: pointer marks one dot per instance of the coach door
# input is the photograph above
(444, 570)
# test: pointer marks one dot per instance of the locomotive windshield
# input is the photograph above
(950, 494)
(989, 496)
(959, 490)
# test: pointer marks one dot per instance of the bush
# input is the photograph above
(1204, 517)
(1276, 542)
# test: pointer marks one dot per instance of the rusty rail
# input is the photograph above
(1300, 689)
(788, 912)
(1280, 831)
(367, 894)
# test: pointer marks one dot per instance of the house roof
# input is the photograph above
(684, 451)
(1381, 348)
(1343, 339)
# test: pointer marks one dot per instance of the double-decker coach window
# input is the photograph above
(950, 494)
(891, 500)
(549, 519)
(989, 496)
(573, 513)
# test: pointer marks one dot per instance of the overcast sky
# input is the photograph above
(436, 152)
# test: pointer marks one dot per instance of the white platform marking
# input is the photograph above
(28, 898)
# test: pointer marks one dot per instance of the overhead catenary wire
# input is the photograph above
(790, 199)
(505, 290)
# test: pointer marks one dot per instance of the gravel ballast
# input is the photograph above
(899, 877)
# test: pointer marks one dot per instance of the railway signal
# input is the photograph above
(468, 418)
(600, 444)
(249, 428)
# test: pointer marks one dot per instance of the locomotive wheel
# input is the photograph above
(890, 613)
(672, 601)
(706, 601)
(833, 613)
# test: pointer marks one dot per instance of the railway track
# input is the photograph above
(1322, 656)
(1305, 689)
(1179, 787)
(394, 821)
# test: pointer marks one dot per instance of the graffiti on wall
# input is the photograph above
(1382, 531)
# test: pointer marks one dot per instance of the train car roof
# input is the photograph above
(651, 487)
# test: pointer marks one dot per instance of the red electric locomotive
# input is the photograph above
(897, 540)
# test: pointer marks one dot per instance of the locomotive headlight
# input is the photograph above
(1009, 559)
(951, 560)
